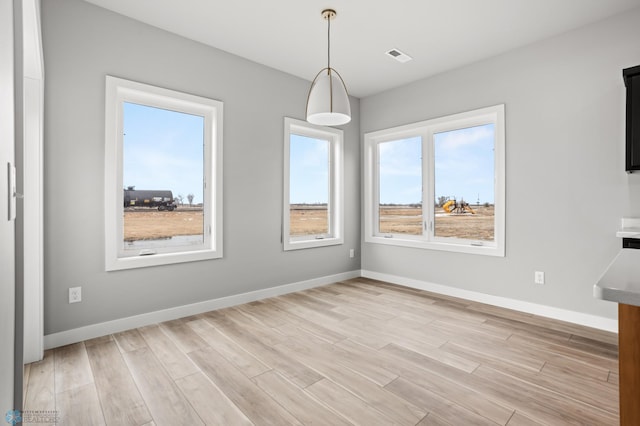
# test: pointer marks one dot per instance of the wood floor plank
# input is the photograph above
(130, 340)
(362, 363)
(263, 312)
(211, 404)
(331, 367)
(302, 322)
(433, 419)
(359, 351)
(361, 304)
(320, 317)
(541, 350)
(98, 340)
(602, 348)
(575, 330)
(461, 362)
(397, 327)
(119, 397)
(25, 380)
(40, 395)
(353, 331)
(80, 406)
(347, 404)
(255, 344)
(507, 394)
(184, 337)
(163, 398)
(448, 327)
(502, 313)
(298, 402)
(357, 286)
(584, 356)
(388, 333)
(253, 401)
(436, 404)
(490, 353)
(591, 392)
(529, 331)
(569, 367)
(233, 352)
(232, 322)
(409, 365)
(72, 369)
(170, 356)
(519, 419)
(541, 404)
(306, 298)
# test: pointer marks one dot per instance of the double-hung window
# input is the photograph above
(438, 184)
(163, 176)
(313, 194)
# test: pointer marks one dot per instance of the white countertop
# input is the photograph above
(621, 282)
(629, 228)
(630, 232)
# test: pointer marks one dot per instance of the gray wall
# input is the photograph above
(566, 185)
(566, 188)
(83, 43)
(7, 228)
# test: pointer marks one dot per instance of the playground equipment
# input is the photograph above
(453, 206)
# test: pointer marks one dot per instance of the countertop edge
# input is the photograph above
(621, 281)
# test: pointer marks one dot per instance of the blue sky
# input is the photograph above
(465, 164)
(400, 171)
(464, 167)
(309, 170)
(163, 150)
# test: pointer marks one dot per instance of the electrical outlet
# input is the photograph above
(538, 277)
(75, 294)
(352, 253)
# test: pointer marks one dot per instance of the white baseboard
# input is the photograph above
(587, 320)
(75, 335)
(80, 334)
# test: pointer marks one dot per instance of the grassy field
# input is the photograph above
(308, 220)
(408, 220)
(146, 224)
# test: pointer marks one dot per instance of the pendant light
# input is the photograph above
(328, 101)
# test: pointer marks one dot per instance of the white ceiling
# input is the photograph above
(290, 35)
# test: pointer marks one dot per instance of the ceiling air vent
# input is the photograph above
(399, 56)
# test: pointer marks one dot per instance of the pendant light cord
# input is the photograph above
(329, 44)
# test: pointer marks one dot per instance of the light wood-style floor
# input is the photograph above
(358, 352)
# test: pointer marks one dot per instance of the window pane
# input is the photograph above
(400, 186)
(464, 183)
(309, 166)
(163, 176)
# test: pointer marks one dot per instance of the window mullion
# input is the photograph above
(428, 184)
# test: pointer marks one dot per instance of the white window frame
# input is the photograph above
(336, 191)
(119, 91)
(426, 130)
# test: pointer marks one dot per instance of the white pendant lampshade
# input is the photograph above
(328, 101)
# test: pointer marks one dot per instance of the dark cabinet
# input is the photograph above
(632, 82)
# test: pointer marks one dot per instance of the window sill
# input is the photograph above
(305, 244)
(121, 263)
(468, 247)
